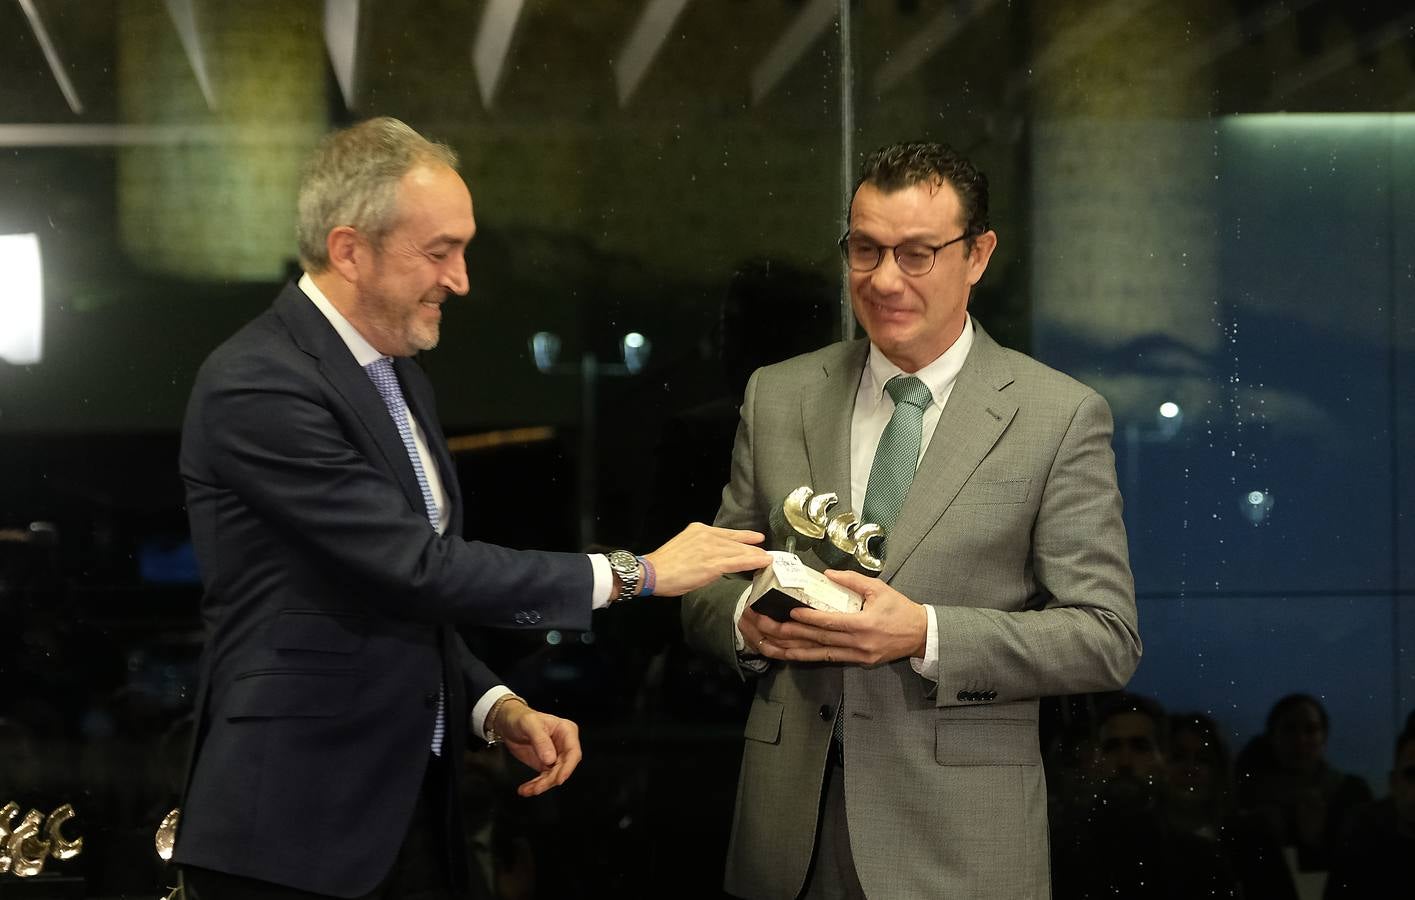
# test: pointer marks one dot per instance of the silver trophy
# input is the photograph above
(809, 515)
(789, 583)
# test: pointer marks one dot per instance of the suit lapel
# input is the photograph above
(314, 335)
(975, 417)
(826, 409)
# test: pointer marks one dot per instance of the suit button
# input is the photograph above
(825, 712)
(992, 695)
(519, 618)
(962, 696)
(430, 699)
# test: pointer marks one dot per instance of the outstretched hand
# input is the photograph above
(548, 744)
(699, 554)
(890, 626)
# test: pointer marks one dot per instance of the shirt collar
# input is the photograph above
(939, 375)
(363, 351)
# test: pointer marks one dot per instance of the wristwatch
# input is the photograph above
(627, 568)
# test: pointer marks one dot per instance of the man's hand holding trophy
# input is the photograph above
(795, 613)
(788, 583)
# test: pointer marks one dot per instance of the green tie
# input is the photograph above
(896, 458)
(897, 455)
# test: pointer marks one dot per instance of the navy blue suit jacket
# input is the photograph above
(329, 608)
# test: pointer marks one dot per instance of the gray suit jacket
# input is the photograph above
(1012, 531)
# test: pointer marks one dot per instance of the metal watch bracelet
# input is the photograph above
(489, 726)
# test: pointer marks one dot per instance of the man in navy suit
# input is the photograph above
(335, 694)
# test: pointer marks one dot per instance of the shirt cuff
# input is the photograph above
(749, 661)
(483, 707)
(737, 617)
(928, 666)
(603, 581)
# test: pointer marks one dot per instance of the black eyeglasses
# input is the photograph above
(912, 257)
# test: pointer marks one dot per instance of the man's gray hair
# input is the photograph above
(352, 179)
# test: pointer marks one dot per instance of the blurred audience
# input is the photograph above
(1377, 858)
(1125, 843)
(1201, 803)
(1285, 781)
(1200, 776)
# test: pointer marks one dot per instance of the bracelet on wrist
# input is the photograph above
(489, 726)
(649, 579)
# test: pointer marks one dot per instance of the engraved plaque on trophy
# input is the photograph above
(789, 583)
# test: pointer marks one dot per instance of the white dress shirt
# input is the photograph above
(873, 407)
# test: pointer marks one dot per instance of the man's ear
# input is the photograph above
(983, 246)
(346, 250)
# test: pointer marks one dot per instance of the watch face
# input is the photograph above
(627, 568)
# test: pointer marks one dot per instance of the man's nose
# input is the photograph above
(454, 278)
(887, 278)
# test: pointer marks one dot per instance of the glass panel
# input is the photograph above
(1403, 313)
(1200, 656)
(1204, 204)
(1203, 213)
(667, 170)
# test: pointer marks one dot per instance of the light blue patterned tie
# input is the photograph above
(381, 373)
(892, 472)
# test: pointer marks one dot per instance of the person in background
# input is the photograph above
(1285, 780)
(1124, 843)
(1377, 860)
(1200, 776)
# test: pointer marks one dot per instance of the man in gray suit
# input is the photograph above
(894, 752)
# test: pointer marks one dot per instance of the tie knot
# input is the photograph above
(910, 390)
(381, 373)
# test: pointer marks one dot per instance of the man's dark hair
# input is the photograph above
(1125, 702)
(899, 166)
(1207, 730)
(1293, 701)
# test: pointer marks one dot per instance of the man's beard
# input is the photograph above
(425, 335)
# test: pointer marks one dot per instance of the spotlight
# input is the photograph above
(1169, 419)
(1256, 506)
(545, 350)
(635, 348)
(21, 299)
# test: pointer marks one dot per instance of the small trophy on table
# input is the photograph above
(789, 583)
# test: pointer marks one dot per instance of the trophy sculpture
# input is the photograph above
(789, 583)
(24, 848)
